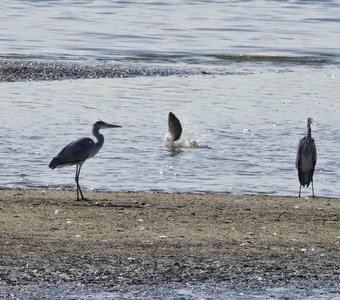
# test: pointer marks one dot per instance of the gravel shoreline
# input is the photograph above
(122, 239)
(36, 70)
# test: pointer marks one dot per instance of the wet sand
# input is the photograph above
(37, 70)
(122, 239)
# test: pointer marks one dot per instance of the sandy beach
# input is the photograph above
(154, 238)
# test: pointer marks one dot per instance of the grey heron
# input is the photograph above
(77, 152)
(175, 127)
(306, 158)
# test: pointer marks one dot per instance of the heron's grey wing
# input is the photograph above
(74, 153)
(314, 153)
(298, 154)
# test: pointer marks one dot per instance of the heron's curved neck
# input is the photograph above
(99, 137)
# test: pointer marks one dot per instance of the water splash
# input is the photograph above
(183, 143)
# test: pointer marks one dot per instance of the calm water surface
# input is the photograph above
(179, 292)
(251, 122)
(189, 31)
(280, 61)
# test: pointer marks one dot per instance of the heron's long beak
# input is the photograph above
(111, 126)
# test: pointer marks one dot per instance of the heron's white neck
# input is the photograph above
(99, 137)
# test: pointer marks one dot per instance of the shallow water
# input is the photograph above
(174, 291)
(170, 31)
(208, 292)
(277, 64)
(252, 123)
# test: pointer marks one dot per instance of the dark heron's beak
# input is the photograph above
(102, 125)
(112, 126)
(107, 125)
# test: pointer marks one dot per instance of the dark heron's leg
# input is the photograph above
(313, 188)
(76, 178)
(78, 167)
(300, 191)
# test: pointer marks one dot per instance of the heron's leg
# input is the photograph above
(312, 188)
(78, 185)
(78, 167)
(76, 178)
(300, 191)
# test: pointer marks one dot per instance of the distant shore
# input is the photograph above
(154, 238)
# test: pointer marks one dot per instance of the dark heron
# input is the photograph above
(77, 152)
(306, 158)
(175, 127)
